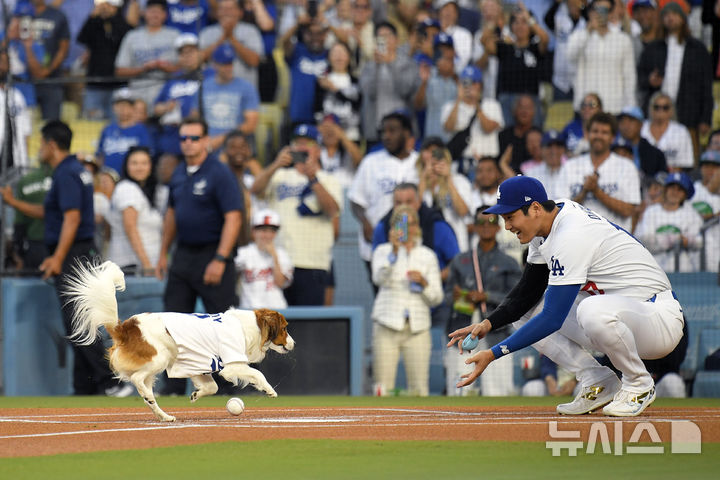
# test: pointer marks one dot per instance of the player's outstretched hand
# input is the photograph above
(477, 330)
(481, 360)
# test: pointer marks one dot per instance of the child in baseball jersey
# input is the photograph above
(671, 229)
(605, 292)
(264, 268)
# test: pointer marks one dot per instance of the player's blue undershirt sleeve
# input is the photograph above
(558, 302)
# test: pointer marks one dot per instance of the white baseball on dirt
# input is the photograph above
(235, 406)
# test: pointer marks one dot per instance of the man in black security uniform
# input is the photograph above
(204, 215)
(69, 231)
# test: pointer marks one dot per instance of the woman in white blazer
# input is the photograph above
(408, 277)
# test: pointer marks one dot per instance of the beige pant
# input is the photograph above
(415, 348)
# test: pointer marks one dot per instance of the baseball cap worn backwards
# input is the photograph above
(517, 192)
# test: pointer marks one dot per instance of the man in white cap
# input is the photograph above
(264, 269)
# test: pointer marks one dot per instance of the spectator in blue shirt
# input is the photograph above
(305, 54)
(228, 103)
(437, 234)
(25, 53)
(188, 16)
(179, 95)
(117, 138)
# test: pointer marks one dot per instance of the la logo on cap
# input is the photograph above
(527, 199)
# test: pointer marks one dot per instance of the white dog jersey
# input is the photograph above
(585, 248)
(206, 342)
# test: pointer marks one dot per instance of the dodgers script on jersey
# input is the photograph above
(206, 342)
(585, 248)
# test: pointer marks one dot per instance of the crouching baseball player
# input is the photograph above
(588, 284)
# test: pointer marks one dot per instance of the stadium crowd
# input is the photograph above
(417, 110)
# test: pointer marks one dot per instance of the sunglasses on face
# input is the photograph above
(589, 104)
(664, 107)
(192, 138)
(482, 221)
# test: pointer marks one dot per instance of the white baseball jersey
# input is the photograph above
(373, 185)
(585, 248)
(552, 180)
(660, 231)
(707, 203)
(308, 239)
(618, 177)
(206, 342)
(257, 284)
(675, 143)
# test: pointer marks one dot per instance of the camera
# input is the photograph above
(298, 157)
(402, 225)
(381, 45)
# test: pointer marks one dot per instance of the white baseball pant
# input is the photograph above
(623, 328)
(416, 349)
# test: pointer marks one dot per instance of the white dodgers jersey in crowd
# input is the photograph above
(618, 178)
(585, 248)
(206, 342)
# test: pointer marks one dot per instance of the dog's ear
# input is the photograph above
(272, 325)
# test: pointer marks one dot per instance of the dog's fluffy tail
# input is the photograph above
(91, 292)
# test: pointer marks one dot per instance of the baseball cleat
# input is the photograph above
(591, 397)
(629, 404)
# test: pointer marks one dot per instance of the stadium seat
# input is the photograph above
(693, 362)
(559, 114)
(709, 342)
(707, 384)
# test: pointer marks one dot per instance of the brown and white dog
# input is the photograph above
(186, 345)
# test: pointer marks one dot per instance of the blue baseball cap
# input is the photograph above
(710, 156)
(24, 9)
(621, 142)
(306, 130)
(429, 23)
(644, 3)
(422, 58)
(443, 38)
(553, 137)
(471, 72)
(224, 54)
(632, 112)
(684, 181)
(516, 192)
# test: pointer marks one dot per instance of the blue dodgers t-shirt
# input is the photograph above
(18, 56)
(184, 91)
(72, 188)
(115, 141)
(201, 201)
(305, 67)
(224, 104)
(187, 18)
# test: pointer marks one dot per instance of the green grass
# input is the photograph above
(343, 459)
